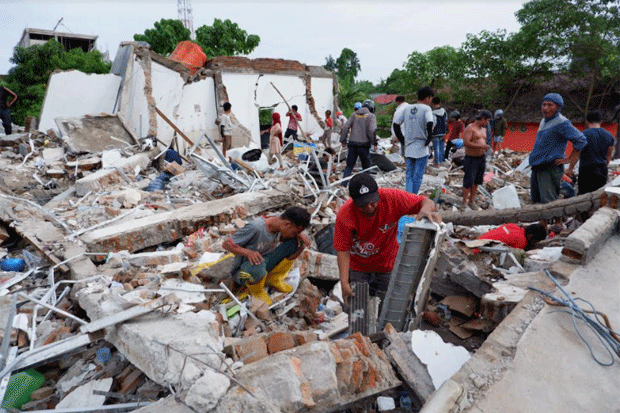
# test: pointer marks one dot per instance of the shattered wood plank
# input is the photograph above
(133, 312)
(528, 213)
(411, 369)
(173, 126)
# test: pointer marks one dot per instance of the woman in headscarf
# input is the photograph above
(275, 139)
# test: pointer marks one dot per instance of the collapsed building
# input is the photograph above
(122, 300)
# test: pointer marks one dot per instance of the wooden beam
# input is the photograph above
(173, 126)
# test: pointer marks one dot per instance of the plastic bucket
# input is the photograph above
(20, 388)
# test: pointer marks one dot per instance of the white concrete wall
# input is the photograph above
(167, 91)
(197, 111)
(75, 94)
(323, 93)
(134, 106)
(248, 92)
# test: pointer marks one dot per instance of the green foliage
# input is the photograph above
(165, 36)
(330, 64)
(350, 93)
(397, 82)
(225, 38)
(264, 116)
(436, 67)
(32, 70)
(348, 64)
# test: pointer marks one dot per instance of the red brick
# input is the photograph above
(279, 342)
(357, 375)
(251, 350)
(361, 342)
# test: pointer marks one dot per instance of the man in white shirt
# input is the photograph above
(226, 128)
(414, 126)
(400, 106)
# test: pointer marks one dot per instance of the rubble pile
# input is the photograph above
(123, 296)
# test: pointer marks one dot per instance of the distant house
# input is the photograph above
(31, 37)
(384, 99)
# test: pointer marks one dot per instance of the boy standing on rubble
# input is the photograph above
(264, 243)
(474, 164)
(294, 118)
(366, 229)
(226, 128)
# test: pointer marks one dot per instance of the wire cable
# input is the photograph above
(602, 329)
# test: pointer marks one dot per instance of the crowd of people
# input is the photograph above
(366, 224)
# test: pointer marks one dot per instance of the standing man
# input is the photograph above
(547, 158)
(499, 130)
(262, 244)
(341, 119)
(326, 138)
(456, 131)
(362, 126)
(366, 229)
(295, 117)
(414, 125)
(474, 164)
(5, 104)
(226, 128)
(595, 156)
(439, 131)
(400, 106)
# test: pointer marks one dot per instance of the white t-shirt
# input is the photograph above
(397, 113)
(413, 120)
(227, 124)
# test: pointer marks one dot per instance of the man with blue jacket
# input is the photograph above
(547, 158)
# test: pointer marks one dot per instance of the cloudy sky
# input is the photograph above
(382, 33)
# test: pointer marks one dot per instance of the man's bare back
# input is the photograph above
(474, 140)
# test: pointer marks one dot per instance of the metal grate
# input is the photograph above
(358, 310)
(417, 241)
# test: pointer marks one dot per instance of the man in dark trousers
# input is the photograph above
(359, 134)
(5, 104)
(595, 157)
(366, 229)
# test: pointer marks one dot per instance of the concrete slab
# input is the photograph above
(552, 369)
(172, 225)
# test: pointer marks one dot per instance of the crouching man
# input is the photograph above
(264, 243)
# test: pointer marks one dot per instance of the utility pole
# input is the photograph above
(184, 8)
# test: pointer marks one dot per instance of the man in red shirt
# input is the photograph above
(366, 229)
(516, 236)
(457, 127)
(295, 117)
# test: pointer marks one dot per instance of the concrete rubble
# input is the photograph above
(120, 299)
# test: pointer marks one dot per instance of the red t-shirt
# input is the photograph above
(512, 235)
(372, 240)
(455, 130)
(292, 122)
(329, 123)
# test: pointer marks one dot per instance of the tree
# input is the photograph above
(225, 38)
(348, 64)
(330, 64)
(579, 37)
(33, 68)
(436, 67)
(398, 82)
(165, 36)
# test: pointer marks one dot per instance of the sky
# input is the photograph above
(382, 33)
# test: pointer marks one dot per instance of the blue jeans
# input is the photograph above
(363, 152)
(438, 150)
(415, 171)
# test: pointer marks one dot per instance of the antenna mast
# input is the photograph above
(184, 8)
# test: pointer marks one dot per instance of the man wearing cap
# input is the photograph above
(547, 158)
(366, 229)
(474, 165)
(359, 134)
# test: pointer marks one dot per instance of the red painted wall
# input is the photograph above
(520, 136)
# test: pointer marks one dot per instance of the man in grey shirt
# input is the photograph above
(262, 244)
(414, 126)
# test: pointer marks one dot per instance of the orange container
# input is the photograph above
(190, 55)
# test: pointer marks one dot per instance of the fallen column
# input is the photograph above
(531, 213)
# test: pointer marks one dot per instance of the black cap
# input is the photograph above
(363, 190)
(484, 114)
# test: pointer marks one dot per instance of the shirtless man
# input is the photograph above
(474, 165)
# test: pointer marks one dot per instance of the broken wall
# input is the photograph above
(197, 109)
(75, 94)
(167, 92)
(134, 105)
